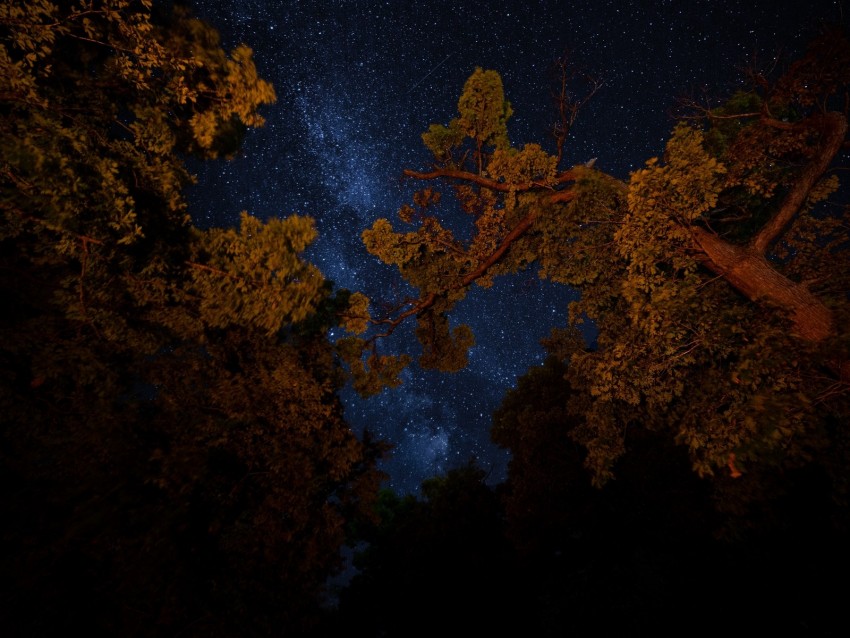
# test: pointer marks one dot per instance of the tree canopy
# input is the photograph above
(174, 455)
(715, 275)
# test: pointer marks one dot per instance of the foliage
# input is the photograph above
(255, 276)
(716, 276)
(643, 552)
(483, 116)
(174, 454)
(439, 559)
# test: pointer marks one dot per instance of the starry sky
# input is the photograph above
(358, 81)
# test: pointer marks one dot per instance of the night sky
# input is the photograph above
(358, 81)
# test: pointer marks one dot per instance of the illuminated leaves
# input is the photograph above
(679, 348)
(255, 276)
(248, 89)
(577, 237)
(821, 191)
(30, 45)
(483, 110)
(184, 374)
(444, 349)
(374, 373)
(654, 238)
(356, 317)
(442, 140)
(140, 93)
(685, 187)
(221, 94)
(431, 258)
(531, 164)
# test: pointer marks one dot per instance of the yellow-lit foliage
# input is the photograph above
(170, 392)
(680, 348)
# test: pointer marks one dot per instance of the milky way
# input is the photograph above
(357, 83)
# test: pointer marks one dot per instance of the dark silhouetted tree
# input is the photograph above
(434, 565)
(642, 553)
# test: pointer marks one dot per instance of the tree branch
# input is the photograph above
(518, 231)
(420, 306)
(486, 182)
(833, 127)
(568, 107)
(215, 271)
(426, 302)
(750, 274)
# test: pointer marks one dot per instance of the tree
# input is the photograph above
(643, 551)
(174, 454)
(434, 562)
(716, 276)
(547, 495)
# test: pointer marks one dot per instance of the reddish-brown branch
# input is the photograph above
(216, 271)
(518, 231)
(833, 128)
(426, 302)
(486, 182)
(417, 308)
(782, 125)
(751, 274)
(561, 196)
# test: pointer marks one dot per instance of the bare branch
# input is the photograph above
(566, 105)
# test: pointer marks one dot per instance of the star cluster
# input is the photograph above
(359, 80)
